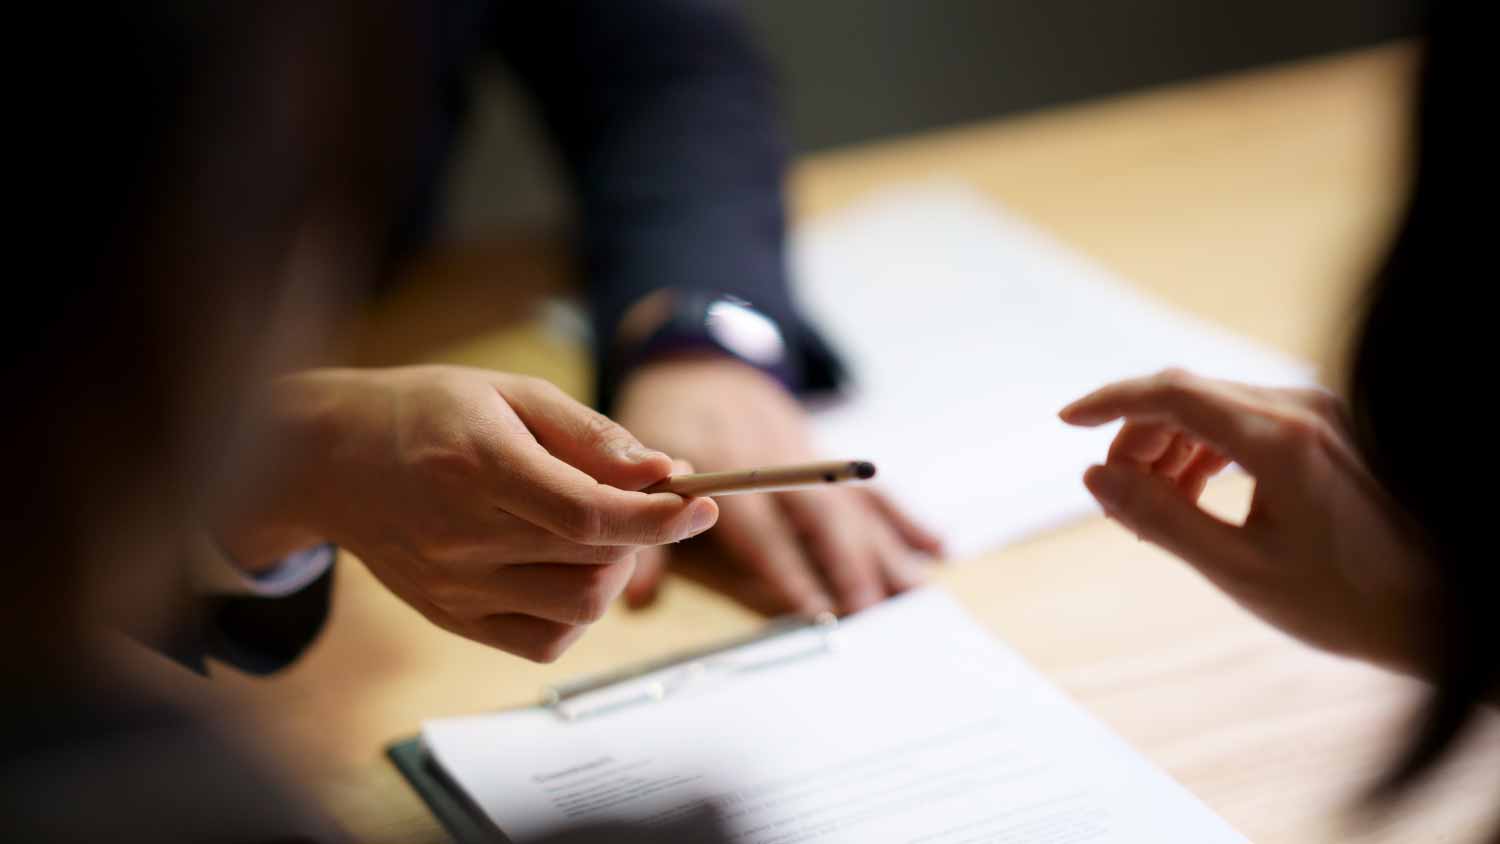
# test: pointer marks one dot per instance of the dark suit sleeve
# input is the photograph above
(664, 113)
(263, 635)
(259, 635)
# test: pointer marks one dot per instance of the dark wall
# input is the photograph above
(853, 70)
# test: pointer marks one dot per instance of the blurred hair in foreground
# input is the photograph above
(219, 176)
(224, 173)
(1413, 376)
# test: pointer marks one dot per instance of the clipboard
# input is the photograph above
(787, 639)
(906, 721)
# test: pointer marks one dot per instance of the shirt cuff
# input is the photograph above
(215, 573)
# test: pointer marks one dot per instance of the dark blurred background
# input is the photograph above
(860, 70)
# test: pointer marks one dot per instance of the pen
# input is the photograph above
(767, 479)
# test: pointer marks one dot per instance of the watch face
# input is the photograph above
(745, 332)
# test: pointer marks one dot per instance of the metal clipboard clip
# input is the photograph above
(782, 641)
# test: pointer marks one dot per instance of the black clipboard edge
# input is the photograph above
(463, 821)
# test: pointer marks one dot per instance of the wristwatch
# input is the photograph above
(673, 322)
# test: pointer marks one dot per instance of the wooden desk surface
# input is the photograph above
(1258, 201)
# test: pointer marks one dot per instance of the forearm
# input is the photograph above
(669, 128)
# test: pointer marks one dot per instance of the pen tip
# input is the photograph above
(864, 470)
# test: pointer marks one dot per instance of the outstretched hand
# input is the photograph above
(494, 504)
(1324, 553)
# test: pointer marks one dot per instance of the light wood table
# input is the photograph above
(1258, 200)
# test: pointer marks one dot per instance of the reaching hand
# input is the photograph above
(838, 548)
(1324, 554)
(494, 504)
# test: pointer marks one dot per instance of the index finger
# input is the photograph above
(532, 484)
(760, 535)
(1216, 412)
(581, 436)
(833, 529)
(570, 504)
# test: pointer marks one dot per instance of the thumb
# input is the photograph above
(645, 582)
(581, 436)
(651, 563)
(1157, 512)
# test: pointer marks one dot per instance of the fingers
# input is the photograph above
(537, 611)
(574, 595)
(1322, 403)
(708, 565)
(504, 538)
(528, 637)
(848, 549)
(1194, 477)
(836, 532)
(645, 583)
(910, 531)
(538, 487)
(651, 563)
(571, 505)
(756, 532)
(1167, 452)
(1141, 442)
(581, 436)
(1177, 456)
(900, 568)
(1213, 411)
(1153, 508)
(862, 545)
(1157, 446)
(897, 536)
(900, 541)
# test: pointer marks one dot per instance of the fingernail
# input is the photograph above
(641, 454)
(704, 516)
(1070, 414)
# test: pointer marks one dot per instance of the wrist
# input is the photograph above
(275, 512)
(257, 547)
(671, 326)
(704, 404)
(700, 363)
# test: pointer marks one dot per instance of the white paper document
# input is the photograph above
(910, 724)
(966, 330)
